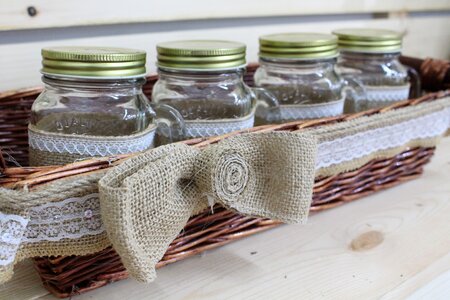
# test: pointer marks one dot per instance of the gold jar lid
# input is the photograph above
(201, 55)
(95, 62)
(369, 40)
(298, 45)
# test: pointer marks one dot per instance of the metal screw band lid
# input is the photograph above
(298, 45)
(201, 55)
(367, 40)
(96, 62)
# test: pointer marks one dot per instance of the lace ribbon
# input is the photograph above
(311, 111)
(358, 145)
(12, 228)
(207, 128)
(378, 96)
(69, 219)
(90, 145)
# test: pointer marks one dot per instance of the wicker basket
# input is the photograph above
(66, 276)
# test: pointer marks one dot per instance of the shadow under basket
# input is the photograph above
(70, 275)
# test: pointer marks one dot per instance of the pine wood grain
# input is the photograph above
(18, 14)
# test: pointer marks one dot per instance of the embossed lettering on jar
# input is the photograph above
(298, 69)
(92, 105)
(203, 80)
(370, 58)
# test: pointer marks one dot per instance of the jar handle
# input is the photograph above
(267, 107)
(414, 78)
(170, 124)
(355, 94)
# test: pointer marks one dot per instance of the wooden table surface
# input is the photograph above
(392, 245)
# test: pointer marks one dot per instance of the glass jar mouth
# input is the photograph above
(370, 52)
(218, 76)
(290, 61)
(369, 55)
(80, 83)
(93, 78)
(201, 70)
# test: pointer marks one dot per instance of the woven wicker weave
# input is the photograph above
(65, 276)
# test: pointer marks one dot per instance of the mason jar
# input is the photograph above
(92, 105)
(203, 80)
(298, 70)
(370, 58)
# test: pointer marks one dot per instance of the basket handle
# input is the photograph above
(414, 78)
(2, 161)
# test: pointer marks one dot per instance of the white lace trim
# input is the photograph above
(91, 145)
(209, 128)
(69, 219)
(311, 111)
(72, 218)
(77, 217)
(12, 228)
(378, 96)
(364, 143)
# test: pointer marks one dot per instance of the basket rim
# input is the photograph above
(34, 176)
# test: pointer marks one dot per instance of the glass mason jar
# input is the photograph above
(203, 80)
(298, 70)
(369, 58)
(93, 105)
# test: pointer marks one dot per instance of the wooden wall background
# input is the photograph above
(27, 26)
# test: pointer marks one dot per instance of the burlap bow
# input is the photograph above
(147, 200)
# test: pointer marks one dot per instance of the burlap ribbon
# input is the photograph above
(146, 201)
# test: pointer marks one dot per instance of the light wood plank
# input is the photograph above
(410, 256)
(50, 13)
(432, 283)
(25, 284)
(20, 62)
(438, 289)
